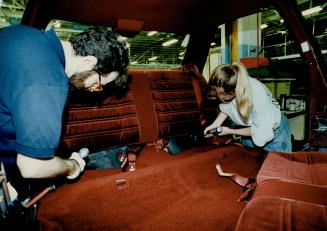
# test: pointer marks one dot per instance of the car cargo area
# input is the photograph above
(166, 192)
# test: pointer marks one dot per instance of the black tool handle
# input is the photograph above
(215, 131)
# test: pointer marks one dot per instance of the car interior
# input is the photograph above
(212, 183)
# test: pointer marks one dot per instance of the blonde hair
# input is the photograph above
(234, 77)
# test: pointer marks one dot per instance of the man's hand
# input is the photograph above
(79, 165)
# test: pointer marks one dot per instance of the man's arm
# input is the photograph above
(47, 168)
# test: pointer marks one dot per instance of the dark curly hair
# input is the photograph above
(108, 47)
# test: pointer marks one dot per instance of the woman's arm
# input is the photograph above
(240, 131)
(217, 123)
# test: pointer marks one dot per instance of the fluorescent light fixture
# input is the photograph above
(153, 58)
(311, 10)
(151, 33)
(169, 42)
(263, 26)
(212, 44)
(57, 24)
(186, 40)
(123, 38)
(134, 62)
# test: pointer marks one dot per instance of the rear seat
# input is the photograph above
(291, 193)
(158, 104)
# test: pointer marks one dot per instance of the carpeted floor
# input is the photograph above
(181, 192)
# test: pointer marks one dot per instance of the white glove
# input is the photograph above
(81, 163)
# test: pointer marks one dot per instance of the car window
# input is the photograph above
(276, 44)
(148, 49)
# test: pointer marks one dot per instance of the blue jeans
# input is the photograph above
(105, 159)
(282, 141)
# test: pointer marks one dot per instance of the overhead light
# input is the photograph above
(134, 62)
(181, 53)
(281, 20)
(123, 38)
(57, 24)
(186, 40)
(311, 10)
(263, 26)
(212, 44)
(153, 58)
(169, 42)
(151, 33)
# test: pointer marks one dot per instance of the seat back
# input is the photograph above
(158, 104)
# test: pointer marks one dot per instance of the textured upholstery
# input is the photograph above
(291, 194)
(278, 214)
(300, 176)
(292, 190)
(175, 103)
(301, 167)
(158, 104)
(99, 121)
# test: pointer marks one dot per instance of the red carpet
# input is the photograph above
(166, 192)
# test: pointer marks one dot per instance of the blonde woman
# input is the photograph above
(248, 103)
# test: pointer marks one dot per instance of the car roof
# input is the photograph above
(162, 15)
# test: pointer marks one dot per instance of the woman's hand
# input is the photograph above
(221, 131)
(217, 123)
(226, 131)
(206, 130)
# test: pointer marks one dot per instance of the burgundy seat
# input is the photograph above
(301, 167)
(158, 104)
(300, 175)
(272, 213)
